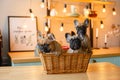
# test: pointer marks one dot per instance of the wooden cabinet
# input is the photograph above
(113, 59)
(111, 54)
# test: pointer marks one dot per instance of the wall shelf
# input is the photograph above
(86, 1)
(72, 17)
(64, 17)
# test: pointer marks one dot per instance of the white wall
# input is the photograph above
(18, 8)
(109, 20)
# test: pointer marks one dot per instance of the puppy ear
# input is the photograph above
(51, 36)
(86, 22)
(76, 23)
(72, 33)
(68, 37)
(39, 36)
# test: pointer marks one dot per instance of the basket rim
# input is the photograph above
(64, 54)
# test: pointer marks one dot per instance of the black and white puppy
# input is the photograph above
(74, 42)
(81, 32)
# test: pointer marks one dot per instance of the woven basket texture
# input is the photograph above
(65, 63)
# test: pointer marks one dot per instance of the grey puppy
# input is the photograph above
(81, 32)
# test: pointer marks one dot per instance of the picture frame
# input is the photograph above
(22, 33)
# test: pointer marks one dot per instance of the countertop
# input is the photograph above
(110, 52)
(19, 57)
(95, 71)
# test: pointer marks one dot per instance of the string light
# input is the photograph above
(31, 14)
(86, 11)
(42, 5)
(101, 25)
(53, 12)
(65, 8)
(104, 9)
(61, 28)
(46, 27)
(114, 12)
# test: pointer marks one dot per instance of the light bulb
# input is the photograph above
(101, 25)
(104, 9)
(46, 27)
(31, 14)
(114, 12)
(61, 28)
(65, 8)
(42, 5)
(53, 12)
(86, 11)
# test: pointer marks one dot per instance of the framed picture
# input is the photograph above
(22, 33)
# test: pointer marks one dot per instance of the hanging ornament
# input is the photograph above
(104, 9)
(53, 12)
(114, 12)
(31, 14)
(61, 27)
(65, 8)
(42, 5)
(101, 25)
(86, 11)
(46, 27)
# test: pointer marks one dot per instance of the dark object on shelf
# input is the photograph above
(105, 46)
(92, 14)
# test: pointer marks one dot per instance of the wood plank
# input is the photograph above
(20, 57)
(110, 52)
(86, 1)
(72, 17)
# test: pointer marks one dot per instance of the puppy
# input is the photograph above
(55, 48)
(74, 42)
(81, 32)
(48, 44)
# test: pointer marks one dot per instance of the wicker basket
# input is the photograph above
(65, 63)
